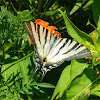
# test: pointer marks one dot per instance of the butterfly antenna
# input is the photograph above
(35, 70)
(44, 73)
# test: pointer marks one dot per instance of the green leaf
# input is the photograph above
(76, 7)
(6, 46)
(24, 70)
(74, 32)
(15, 62)
(52, 13)
(3, 88)
(68, 74)
(11, 70)
(96, 91)
(13, 66)
(26, 15)
(46, 85)
(88, 4)
(96, 12)
(80, 84)
(2, 97)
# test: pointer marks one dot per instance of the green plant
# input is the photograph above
(78, 80)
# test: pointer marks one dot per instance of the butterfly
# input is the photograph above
(50, 49)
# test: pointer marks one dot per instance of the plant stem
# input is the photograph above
(39, 8)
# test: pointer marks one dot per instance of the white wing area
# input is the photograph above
(54, 49)
(69, 54)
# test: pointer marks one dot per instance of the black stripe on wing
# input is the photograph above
(72, 48)
(28, 28)
(37, 28)
(60, 47)
(54, 41)
(45, 37)
(82, 54)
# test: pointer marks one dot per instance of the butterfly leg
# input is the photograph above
(36, 68)
(44, 70)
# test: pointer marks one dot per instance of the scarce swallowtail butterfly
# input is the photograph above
(50, 49)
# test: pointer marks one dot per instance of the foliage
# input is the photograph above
(78, 79)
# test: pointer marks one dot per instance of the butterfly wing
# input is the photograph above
(67, 50)
(55, 50)
(41, 38)
(37, 35)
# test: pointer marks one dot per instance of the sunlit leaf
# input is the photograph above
(74, 32)
(81, 83)
(11, 70)
(96, 12)
(5, 47)
(96, 90)
(68, 74)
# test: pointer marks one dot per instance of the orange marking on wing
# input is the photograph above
(52, 29)
(31, 41)
(41, 22)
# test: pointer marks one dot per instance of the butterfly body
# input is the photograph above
(51, 50)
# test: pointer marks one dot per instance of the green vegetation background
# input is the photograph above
(74, 80)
